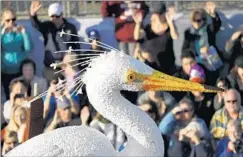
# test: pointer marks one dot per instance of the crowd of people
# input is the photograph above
(192, 123)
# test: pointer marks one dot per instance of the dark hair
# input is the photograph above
(11, 134)
(158, 7)
(188, 54)
(225, 81)
(25, 62)
(54, 79)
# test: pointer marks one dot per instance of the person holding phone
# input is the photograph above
(17, 90)
(15, 43)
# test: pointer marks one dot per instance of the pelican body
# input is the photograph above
(106, 76)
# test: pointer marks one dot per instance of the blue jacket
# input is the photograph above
(222, 151)
(168, 125)
(14, 46)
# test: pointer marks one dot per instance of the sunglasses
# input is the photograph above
(13, 19)
(183, 111)
(231, 101)
(9, 143)
(198, 20)
(55, 16)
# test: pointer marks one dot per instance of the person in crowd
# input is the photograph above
(234, 46)
(232, 110)
(15, 44)
(51, 30)
(65, 106)
(200, 36)
(152, 110)
(187, 60)
(71, 73)
(161, 102)
(95, 37)
(203, 101)
(70, 69)
(218, 102)
(124, 23)
(114, 134)
(18, 123)
(236, 75)
(28, 71)
(59, 99)
(17, 90)
(10, 141)
(188, 135)
(157, 37)
(231, 146)
(146, 57)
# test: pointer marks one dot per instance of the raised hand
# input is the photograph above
(210, 8)
(51, 89)
(236, 35)
(84, 115)
(231, 147)
(34, 7)
(170, 14)
(138, 17)
(56, 118)
(67, 94)
(21, 29)
(169, 18)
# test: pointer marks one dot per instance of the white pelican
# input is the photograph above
(105, 77)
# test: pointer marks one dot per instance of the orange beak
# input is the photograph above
(162, 82)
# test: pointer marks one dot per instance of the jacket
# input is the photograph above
(52, 40)
(212, 29)
(15, 46)
(123, 28)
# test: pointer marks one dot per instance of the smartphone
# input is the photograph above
(19, 96)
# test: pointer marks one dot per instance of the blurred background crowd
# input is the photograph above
(192, 123)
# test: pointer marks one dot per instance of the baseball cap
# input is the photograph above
(63, 104)
(55, 9)
(239, 61)
(197, 74)
(93, 34)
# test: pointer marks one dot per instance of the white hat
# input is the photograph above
(55, 9)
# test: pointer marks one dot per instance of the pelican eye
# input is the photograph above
(131, 77)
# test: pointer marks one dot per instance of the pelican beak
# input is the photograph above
(162, 82)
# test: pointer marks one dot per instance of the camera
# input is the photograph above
(239, 145)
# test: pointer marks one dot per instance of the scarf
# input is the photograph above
(202, 41)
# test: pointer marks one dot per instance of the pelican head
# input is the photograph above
(116, 70)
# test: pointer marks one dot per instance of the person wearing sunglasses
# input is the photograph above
(232, 110)
(200, 37)
(218, 102)
(15, 44)
(51, 30)
(187, 134)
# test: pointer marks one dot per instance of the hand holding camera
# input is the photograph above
(236, 143)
